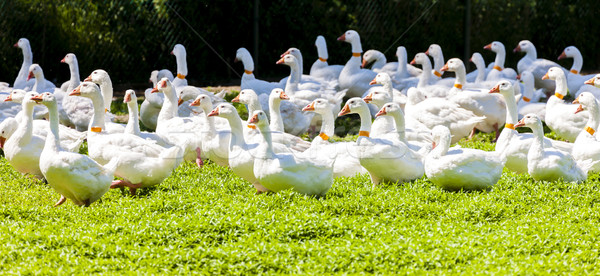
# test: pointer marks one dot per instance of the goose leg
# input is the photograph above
(60, 201)
(87, 203)
(116, 184)
(497, 132)
(199, 158)
(472, 134)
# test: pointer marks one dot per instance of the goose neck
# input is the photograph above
(365, 120)
(133, 126)
(402, 66)
(500, 58)
(531, 53)
(248, 64)
(275, 114)
(237, 134)
(53, 139)
(577, 62)
(537, 145)
(98, 118)
(461, 76)
(181, 64)
(426, 75)
(480, 64)
(594, 118)
(25, 129)
(380, 61)
(106, 89)
(561, 85)
(295, 74)
(327, 124)
(265, 150)
(75, 80)
(210, 121)
(400, 126)
(511, 109)
(441, 147)
(438, 62)
(322, 51)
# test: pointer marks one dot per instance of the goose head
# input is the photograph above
(162, 86)
(35, 71)
(401, 53)
(241, 53)
(531, 121)
(354, 105)
(287, 60)
(292, 51)
(495, 47)
(130, 97)
(595, 81)
(7, 128)
(505, 88)
(434, 50)
(524, 46)
(389, 109)
(69, 58)
(568, 52)
(28, 99)
(377, 97)
(225, 110)
(178, 50)
(153, 77)
(16, 96)
(319, 106)
(476, 57)
(420, 58)
(259, 119)
(22, 43)
(278, 94)
(246, 96)
(585, 101)
(453, 64)
(45, 98)
(349, 36)
(553, 73)
(381, 78)
(441, 136)
(203, 101)
(320, 41)
(86, 89)
(370, 56)
(98, 76)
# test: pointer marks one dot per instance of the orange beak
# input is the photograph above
(495, 89)
(180, 101)
(342, 38)
(196, 102)
(433, 144)
(127, 98)
(517, 49)
(89, 78)
(286, 53)
(471, 60)
(254, 119)
(488, 47)
(576, 101)
(344, 110)
(30, 75)
(368, 98)
(16, 44)
(2, 140)
(381, 112)
(562, 55)
(445, 68)
(373, 81)
(579, 109)
(590, 81)
(38, 98)
(161, 84)
(236, 99)
(412, 62)
(9, 98)
(545, 77)
(280, 61)
(63, 60)
(519, 76)
(283, 96)
(309, 107)
(364, 63)
(172, 53)
(76, 91)
(520, 123)
(427, 52)
(215, 112)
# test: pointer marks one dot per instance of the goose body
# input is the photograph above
(320, 68)
(560, 116)
(352, 77)
(529, 102)
(249, 81)
(586, 149)
(537, 66)
(133, 125)
(78, 110)
(215, 143)
(498, 72)
(304, 82)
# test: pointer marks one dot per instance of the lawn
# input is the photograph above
(210, 221)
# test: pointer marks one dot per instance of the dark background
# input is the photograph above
(130, 38)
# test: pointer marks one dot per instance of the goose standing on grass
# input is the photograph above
(279, 171)
(182, 69)
(74, 176)
(133, 124)
(320, 68)
(352, 77)
(249, 81)
(498, 71)
(512, 144)
(78, 110)
(537, 66)
(586, 148)
(386, 160)
(458, 168)
(560, 116)
(345, 154)
(547, 163)
(214, 142)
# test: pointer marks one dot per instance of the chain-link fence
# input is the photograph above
(129, 38)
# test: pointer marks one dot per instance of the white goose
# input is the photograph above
(512, 144)
(41, 84)
(586, 148)
(478, 75)
(386, 160)
(529, 103)
(320, 68)
(426, 79)
(352, 77)
(215, 143)
(182, 70)
(74, 111)
(547, 163)
(249, 81)
(74, 176)
(406, 75)
(279, 171)
(99, 110)
(16, 96)
(133, 124)
(345, 154)
(22, 81)
(575, 81)
(435, 51)
(102, 79)
(537, 66)
(297, 72)
(458, 168)
(560, 116)
(498, 71)
(378, 62)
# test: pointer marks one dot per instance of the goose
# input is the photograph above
(186, 95)
(215, 143)
(547, 163)
(490, 106)
(22, 81)
(182, 70)
(300, 121)
(498, 71)
(71, 141)
(529, 103)
(74, 111)
(402, 134)
(575, 81)
(41, 85)
(406, 75)
(182, 131)
(435, 51)
(345, 154)
(320, 68)
(380, 95)
(16, 96)
(537, 66)
(426, 114)
(304, 81)
(386, 160)
(352, 77)
(102, 79)
(22, 150)
(142, 163)
(512, 144)
(478, 75)
(280, 171)
(586, 148)
(133, 125)
(74, 176)
(378, 62)
(292, 117)
(425, 80)
(99, 111)
(249, 81)
(456, 168)
(8, 109)
(560, 116)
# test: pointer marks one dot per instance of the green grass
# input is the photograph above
(210, 221)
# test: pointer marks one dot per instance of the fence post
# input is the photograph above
(256, 2)
(467, 41)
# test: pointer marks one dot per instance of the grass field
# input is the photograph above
(210, 221)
